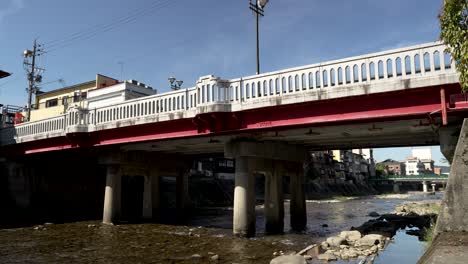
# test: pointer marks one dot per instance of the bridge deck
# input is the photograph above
(197, 109)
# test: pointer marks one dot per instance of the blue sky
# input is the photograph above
(189, 39)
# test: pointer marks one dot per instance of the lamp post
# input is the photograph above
(176, 85)
(257, 8)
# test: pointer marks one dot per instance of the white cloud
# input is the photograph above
(10, 8)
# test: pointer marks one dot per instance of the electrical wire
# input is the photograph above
(85, 35)
(78, 34)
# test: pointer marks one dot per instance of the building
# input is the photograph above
(321, 166)
(368, 155)
(413, 166)
(52, 103)
(357, 164)
(393, 167)
(216, 167)
(100, 92)
(9, 115)
(425, 156)
(117, 93)
(428, 166)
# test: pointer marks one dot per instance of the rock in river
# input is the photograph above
(374, 214)
(351, 236)
(336, 241)
(370, 240)
(326, 256)
(289, 259)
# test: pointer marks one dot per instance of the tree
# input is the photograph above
(380, 169)
(454, 32)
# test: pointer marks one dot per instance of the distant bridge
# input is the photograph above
(413, 178)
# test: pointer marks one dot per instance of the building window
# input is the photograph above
(79, 96)
(52, 102)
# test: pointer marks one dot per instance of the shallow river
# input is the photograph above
(204, 235)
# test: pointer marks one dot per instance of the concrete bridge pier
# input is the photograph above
(274, 199)
(244, 198)
(424, 185)
(396, 187)
(182, 192)
(448, 137)
(433, 187)
(453, 215)
(155, 180)
(112, 204)
(147, 197)
(141, 172)
(19, 179)
(267, 158)
(298, 203)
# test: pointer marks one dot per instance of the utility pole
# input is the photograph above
(33, 74)
(257, 8)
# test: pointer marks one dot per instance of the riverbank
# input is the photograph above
(363, 244)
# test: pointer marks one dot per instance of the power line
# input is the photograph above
(135, 12)
(84, 35)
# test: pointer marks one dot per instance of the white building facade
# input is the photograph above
(413, 166)
(117, 93)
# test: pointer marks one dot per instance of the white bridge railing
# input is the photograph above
(211, 94)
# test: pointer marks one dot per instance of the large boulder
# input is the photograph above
(326, 257)
(336, 241)
(351, 236)
(289, 259)
(418, 208)
(370, 240)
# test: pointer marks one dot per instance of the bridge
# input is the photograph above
(417, 178)
(267, 123)
(424, 179)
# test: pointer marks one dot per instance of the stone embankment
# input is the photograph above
(364, 242)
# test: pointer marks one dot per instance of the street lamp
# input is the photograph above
(257, 8)
(176, 85)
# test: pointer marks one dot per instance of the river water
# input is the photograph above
(202, 236)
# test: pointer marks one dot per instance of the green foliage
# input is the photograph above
(379, 169)
(454, 32)
(428, 234)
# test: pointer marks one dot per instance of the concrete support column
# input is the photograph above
(256, 157)
(147, 198)
(244, 198)
(453, 215)
(274, 201)
(448, 137)
(20, 184)
(112, 195)
(154, 175)
(433, 187)
(396, 187)
(298, 203)
(424, 184)
(182, 192)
